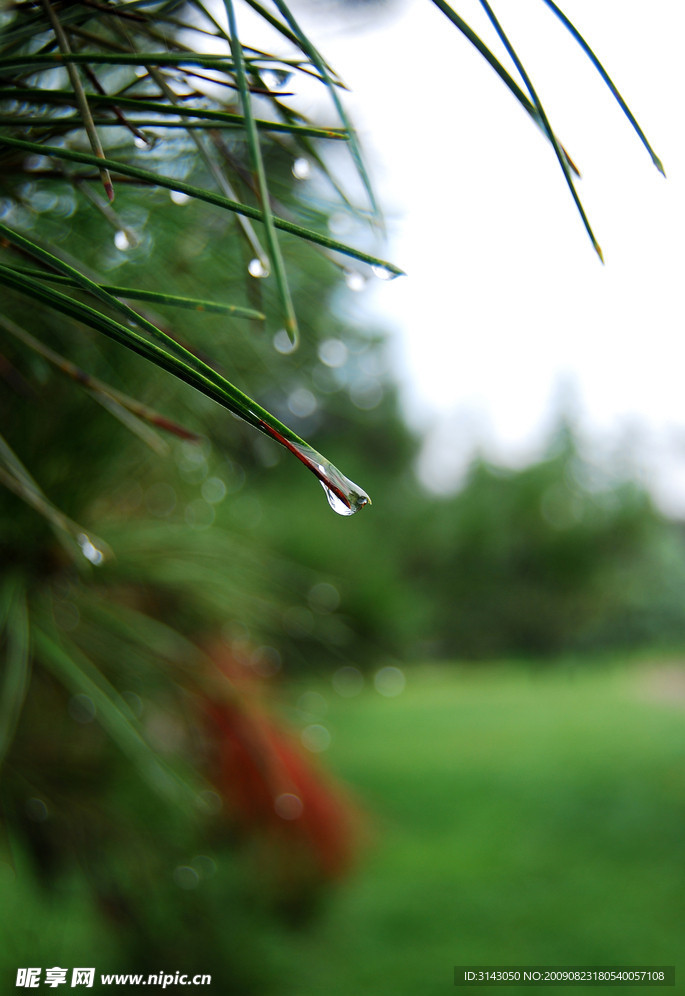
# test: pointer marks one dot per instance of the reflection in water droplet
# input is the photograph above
(282, 343)
(122, 241)
(383, 273)
(301, 168)
(178, 197)
(336, 503)
(354, 280)
(258, 268)
(89, 551)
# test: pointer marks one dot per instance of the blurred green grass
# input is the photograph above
(512, 815)
(518, 816)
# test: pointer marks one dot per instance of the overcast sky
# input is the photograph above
(505, 308)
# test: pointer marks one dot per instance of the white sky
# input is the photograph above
(505, 305)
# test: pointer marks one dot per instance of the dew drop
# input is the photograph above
(301, 168)
(282, 342)
(178, 197)
(337, 504)
(140, 142)
(258, 268)
(89, 551)
(383, 273)
(354, 280)
(121, 240)
(344, 496)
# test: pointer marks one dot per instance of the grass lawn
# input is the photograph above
(512, 816)
(515, 817)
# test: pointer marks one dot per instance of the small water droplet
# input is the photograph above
(354, 280)
(258, 268)
(301, 168)
(121, 240)
(140, 142)
(383, 273)
(178, 197)
(343, 495)
(282, 342)
(89, 551)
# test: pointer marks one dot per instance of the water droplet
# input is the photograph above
(301, 168)
(258, 268)
(383, 273)
(122, 241)
(288, 806)
(89, 551)
(282, 343)
(178, 197)
(333, 353)
(141, 143)
(355, 280)
(344, 496)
